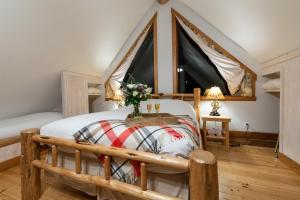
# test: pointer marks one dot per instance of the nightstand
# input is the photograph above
(225, 129)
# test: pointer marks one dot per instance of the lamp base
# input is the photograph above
(214, 113)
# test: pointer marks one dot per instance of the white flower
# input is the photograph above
(135, 93)
(149, 90)
(130, 86)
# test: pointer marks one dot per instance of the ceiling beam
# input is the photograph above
(162, 1)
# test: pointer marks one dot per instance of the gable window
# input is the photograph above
(139, 63)
(199, 62)
(142, 66)
(195, 70)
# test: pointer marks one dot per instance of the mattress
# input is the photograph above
(12, 127)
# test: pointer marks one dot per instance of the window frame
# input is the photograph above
(152, 24)
(217, 47)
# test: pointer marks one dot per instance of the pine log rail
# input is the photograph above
(201, 166)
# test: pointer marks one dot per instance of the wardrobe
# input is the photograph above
(287, 67)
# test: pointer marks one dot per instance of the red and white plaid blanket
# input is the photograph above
(174, 140)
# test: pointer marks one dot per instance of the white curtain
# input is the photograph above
(118, 76)
(229, 69)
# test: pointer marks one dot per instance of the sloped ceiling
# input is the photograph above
(264, 28)
(39, 38)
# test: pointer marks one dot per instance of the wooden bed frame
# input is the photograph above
(201, 166)
(14, 161)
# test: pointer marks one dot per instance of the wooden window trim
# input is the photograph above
(217, 47)
(152, 23)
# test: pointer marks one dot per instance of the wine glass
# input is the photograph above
(149, 107)
(157, 107)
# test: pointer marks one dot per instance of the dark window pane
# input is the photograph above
(194, 67)
(142, 66)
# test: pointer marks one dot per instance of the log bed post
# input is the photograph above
(203, 176)
(30, 175)
(203, 166)
(197, 97)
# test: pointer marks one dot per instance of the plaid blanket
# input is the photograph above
(174, 140)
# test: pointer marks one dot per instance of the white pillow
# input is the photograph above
(94, 90)
(273, 84)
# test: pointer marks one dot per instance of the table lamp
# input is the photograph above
(215, 93)
(119, 98)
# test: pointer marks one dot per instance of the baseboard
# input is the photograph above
(254, 135)
(9, 163)
(289, 162)
(254, 138)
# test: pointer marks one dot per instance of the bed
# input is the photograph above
(162, 176)
(10, 129)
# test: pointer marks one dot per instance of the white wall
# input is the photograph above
(290, 109)
(262, 115)
(40, 38)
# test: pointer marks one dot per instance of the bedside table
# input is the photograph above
(225, 129)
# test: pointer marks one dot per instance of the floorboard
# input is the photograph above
(246, 172)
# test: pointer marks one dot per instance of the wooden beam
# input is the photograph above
(144, 176)
(107, 168)
(9, 141)
(54, 155)
(162, 160)
(77, 161)
(162, 1)
(112, 184)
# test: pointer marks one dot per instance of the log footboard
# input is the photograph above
(202, 168)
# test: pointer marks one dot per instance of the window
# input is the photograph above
(140, 62)
(142, 66)
(194, 68)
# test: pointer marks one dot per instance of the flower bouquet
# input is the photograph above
(133, 94)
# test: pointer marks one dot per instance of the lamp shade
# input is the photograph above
(215, 93)
(118, 95)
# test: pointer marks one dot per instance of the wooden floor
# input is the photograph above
(245, 172)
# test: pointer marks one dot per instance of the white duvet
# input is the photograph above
(65, 128)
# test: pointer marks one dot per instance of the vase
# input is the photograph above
(136, 111)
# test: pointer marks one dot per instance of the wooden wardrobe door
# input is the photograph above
(75, 95)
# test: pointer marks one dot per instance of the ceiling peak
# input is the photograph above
(162, 1)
